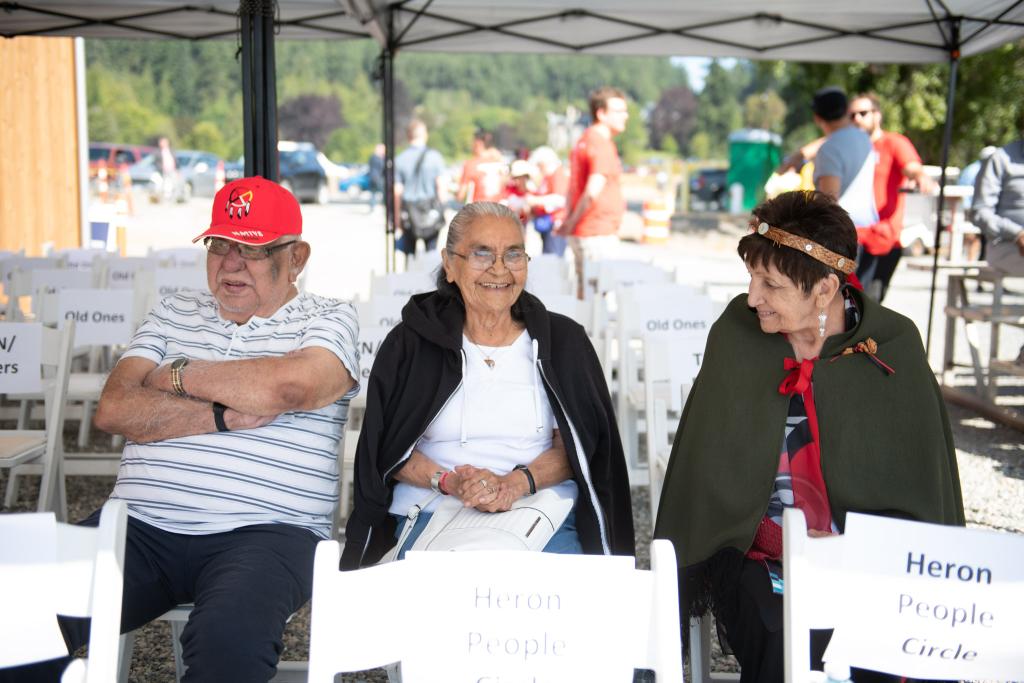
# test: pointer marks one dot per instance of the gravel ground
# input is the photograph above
(991, 460)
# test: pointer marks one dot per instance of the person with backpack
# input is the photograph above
(420, 191)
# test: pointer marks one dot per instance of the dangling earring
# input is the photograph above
(822, 317)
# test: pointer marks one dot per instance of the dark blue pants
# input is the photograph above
(553, 244)
(244, 583)
(406, 243)
(875, 272)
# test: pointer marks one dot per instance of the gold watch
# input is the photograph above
(176, 367)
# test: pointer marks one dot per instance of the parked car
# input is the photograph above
(301, 172)
(357, 182)
(197, 175)
(708, 189)
(114, 155)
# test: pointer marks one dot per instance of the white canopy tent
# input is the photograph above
(910, 31)
(804, 30)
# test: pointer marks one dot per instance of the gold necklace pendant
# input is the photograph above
(490, 362)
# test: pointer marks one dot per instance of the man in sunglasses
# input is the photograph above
(232, 401)
(896, 163)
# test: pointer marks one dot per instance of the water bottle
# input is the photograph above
(837, 672)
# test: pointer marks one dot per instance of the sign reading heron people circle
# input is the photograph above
(535, 621)
(931, 601)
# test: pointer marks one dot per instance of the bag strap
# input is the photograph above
(410, 520)
(419, 164)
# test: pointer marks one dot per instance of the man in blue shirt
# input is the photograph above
(419, 181)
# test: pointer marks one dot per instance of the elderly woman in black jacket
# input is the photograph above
(480, 393)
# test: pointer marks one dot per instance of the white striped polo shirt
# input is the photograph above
(284, 472)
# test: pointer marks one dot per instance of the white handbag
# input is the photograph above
(529, 525)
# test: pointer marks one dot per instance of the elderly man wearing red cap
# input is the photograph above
(232, 401)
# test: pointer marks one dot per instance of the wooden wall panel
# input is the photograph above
(38, 145)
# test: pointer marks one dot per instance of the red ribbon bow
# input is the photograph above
(798, 381)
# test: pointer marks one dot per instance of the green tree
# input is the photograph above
(718, 111)
(764, 110)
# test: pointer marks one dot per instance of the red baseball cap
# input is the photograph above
(253, 211)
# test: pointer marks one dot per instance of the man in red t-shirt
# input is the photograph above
(485, 174)
(595, 199)
(879, 244)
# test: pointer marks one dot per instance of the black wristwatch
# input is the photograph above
(529, 477)
(218, 417)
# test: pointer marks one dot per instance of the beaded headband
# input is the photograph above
(805, 246)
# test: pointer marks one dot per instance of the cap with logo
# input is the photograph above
(253, 211)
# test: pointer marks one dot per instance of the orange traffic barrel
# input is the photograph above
(656, 215)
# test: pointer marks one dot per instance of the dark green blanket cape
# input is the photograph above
(886, 445)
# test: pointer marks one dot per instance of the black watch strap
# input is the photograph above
(529, 477)
(218, 417)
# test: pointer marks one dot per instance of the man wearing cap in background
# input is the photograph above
(232, 401)
(844, 167)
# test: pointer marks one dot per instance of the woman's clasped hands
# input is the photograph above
(483, 489)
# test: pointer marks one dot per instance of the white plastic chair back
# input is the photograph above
(84, 578)
(387, 594)
(382, 311)
(402, 284)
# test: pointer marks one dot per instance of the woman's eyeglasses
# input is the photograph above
(482, 259)
(221, 247)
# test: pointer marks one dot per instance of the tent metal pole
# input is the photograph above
(248, 134)
(259, 96)
(947, 136)
(271, 167)
(387, 75)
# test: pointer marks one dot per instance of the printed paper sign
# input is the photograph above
(121, 272)
(28, 550)
(52, 280)
(511, 621)
(102, 316)
(170, 281)
(370, 339)
(932, 601)
(20, 357)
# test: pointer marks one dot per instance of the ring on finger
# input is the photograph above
(483, 482)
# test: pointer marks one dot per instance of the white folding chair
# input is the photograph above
(641, 615)
(85, 580)
(568, 305)
(16, 274)
(671, 311)
(180, 257)
(382, 310)
(670, 366)
(402, 284)
(41, 451)
(924, 601)
(549, 274)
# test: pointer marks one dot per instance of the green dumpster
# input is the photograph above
(753, 155)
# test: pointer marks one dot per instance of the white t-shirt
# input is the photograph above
(503, 412)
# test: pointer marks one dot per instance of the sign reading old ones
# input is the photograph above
(102, 316)
(931, 601)
(20, 357)
(518, 622)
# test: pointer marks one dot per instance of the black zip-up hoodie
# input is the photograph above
(419, 366)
